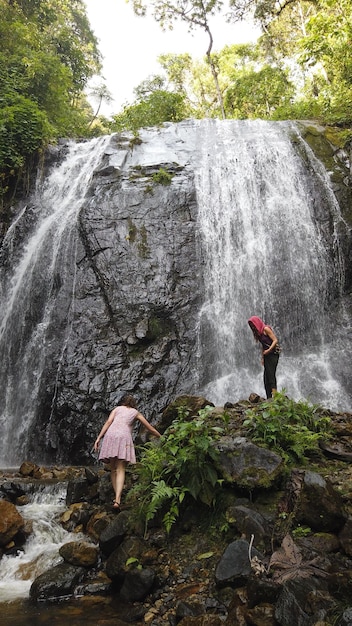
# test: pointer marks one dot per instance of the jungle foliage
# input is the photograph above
(179, 464)
(183, 465)
(48, 52)
(299, 68)
(293, 429)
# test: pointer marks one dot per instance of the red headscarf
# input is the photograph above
(258, 324)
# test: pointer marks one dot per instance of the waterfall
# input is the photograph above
(38, 275)
(41, 550)
(266, 254)
(257, 230)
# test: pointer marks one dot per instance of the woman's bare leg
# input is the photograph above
(118, 477)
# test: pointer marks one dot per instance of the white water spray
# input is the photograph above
(41, 550)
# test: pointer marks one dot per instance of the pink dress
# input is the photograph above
(117, 441)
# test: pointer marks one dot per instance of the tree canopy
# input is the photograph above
(300, 67)
(48, 52)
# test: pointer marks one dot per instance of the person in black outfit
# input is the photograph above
(270, 352)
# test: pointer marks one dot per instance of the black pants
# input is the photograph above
(270, 364)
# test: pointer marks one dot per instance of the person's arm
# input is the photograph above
(148, 426)
(108, 423)
(274, 340)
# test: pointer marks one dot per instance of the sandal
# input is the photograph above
(115, 505)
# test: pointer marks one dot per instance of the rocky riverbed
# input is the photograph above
(277, 552)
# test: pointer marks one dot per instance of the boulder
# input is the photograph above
(248, 522)
(11, 522)
(243, 463)
(28, 468)
(234, 566)
(79, 553)
(77, 514)
(113, 534)
(318, 504)
(117, 563)
(80, 490)
(295, 605)
(137, 584)
(58, 582)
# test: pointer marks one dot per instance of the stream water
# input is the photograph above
(40, 553)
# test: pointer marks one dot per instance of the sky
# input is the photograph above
(130, 46)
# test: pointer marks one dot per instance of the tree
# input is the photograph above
(47, 54)
(158, 107)
(258, 94)
(195, 13)
(101, 94)
(313, 37)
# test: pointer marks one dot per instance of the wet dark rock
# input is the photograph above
(99, 585)
(248, 522)
(118, 562)
(91, 475)
(11, 490)
(137, 584)
(319, 505)
(98, 521)
(261, 590)
(294, 606)
(247, 465)
(340, 581)
(58, 582)
(234, 566)
(80, 490)
(345, 537)
(78, 514)
(191, 608)
(112, 536)
(319, 543)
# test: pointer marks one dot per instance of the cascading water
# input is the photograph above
(265, 255)
(37, 278)
(268, 225)
(41, 550)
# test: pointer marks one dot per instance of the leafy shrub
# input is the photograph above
(179, 463)
(293, 429)
(23, 130)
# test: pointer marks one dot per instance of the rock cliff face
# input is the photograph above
(124, 295)
(137, 291)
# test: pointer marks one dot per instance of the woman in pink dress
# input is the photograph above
(117, 447)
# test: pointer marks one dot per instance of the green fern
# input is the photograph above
(182, 463)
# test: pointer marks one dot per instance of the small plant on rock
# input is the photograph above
(162, 177)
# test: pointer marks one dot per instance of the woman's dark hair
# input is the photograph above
(129, 401)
